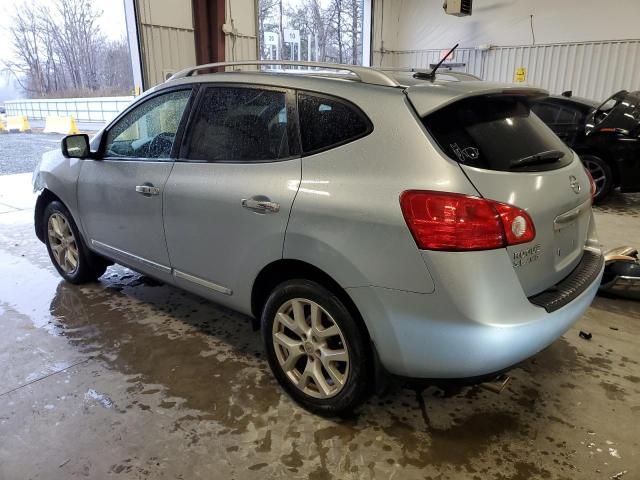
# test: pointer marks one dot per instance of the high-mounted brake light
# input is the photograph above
(456, 222)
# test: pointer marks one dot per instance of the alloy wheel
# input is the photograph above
(598, 174)
(310, 348)
(63, 243)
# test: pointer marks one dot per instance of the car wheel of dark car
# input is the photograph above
(315, 349)
(602, 175)
(69, 255)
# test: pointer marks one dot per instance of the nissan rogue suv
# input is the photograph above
(429, 227)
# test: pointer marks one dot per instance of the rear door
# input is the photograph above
(228, 198)
(510, 155)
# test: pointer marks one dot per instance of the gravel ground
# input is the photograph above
(21, 152)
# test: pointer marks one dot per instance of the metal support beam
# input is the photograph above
(208, 19)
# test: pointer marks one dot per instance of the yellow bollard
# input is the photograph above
(18, 124)
(64, 125)
(73, 127)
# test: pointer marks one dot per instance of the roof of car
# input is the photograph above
(389, 77)
(447, 87)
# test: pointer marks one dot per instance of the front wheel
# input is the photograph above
(602, 175)
(69, 255)
(315, 349)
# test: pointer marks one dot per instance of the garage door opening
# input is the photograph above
(333, 31)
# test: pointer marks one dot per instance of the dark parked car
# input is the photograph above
(606, 136)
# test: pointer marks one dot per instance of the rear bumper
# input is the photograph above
(565, 291)
(479, 321)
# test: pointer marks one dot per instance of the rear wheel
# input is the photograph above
(68, 253)
(602, 175)
(315, 349)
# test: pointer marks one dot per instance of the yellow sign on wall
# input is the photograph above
(521, 75)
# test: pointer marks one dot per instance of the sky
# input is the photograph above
(112, 24)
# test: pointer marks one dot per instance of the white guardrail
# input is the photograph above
(97, 109)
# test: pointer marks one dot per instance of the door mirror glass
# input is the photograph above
(76, 146)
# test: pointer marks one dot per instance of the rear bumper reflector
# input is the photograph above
(571, 286)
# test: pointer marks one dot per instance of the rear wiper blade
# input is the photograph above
(549, 156)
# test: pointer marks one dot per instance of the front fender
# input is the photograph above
(55, 178)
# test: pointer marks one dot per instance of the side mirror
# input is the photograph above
(76, 146)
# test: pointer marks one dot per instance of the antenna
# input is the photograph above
(432, 74)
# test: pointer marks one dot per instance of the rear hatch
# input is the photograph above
(511, 156)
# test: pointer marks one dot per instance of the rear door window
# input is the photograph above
(236, 124)
(568, 115)
(547, 112)
(327, 122)
(497, 133)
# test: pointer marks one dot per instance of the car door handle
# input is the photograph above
(259, 205)
(147, 190)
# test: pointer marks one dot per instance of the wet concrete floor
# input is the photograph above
(129, 379)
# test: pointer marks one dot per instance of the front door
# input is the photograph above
(120, 194)
(228, 197)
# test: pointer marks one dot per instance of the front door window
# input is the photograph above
(148, 131)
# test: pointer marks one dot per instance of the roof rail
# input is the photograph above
(365, 74)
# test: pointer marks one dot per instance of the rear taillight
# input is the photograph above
(455, 222)
(592, 183)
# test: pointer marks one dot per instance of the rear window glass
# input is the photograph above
(497, 133)
(327, 122)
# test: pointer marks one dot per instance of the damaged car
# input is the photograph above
(606, 136)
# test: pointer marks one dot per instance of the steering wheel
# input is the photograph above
(160, 145)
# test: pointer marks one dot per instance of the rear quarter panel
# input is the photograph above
(346, 217)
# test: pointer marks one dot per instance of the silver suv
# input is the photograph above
(372, 221)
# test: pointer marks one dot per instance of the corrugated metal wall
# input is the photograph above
(243, 44)
(245, 47)
(590, 69)
(167, 38)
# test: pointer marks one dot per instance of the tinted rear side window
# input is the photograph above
(240, 125)
(548, 113)
(568, 115)
(494, 132)
(327, 122)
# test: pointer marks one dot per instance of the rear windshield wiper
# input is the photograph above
(549, 156)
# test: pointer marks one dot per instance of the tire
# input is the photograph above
(67, 250)
(602, 175)
(346, 382)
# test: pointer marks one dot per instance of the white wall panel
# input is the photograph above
(590, 69)
(422, 24)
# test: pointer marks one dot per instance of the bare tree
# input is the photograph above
(25, 39)
(336, 29)
(265, 11)
(355, 30)
(59, 48)
(281, 30)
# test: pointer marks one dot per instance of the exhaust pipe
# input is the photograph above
(621, 272)
(497, 385)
